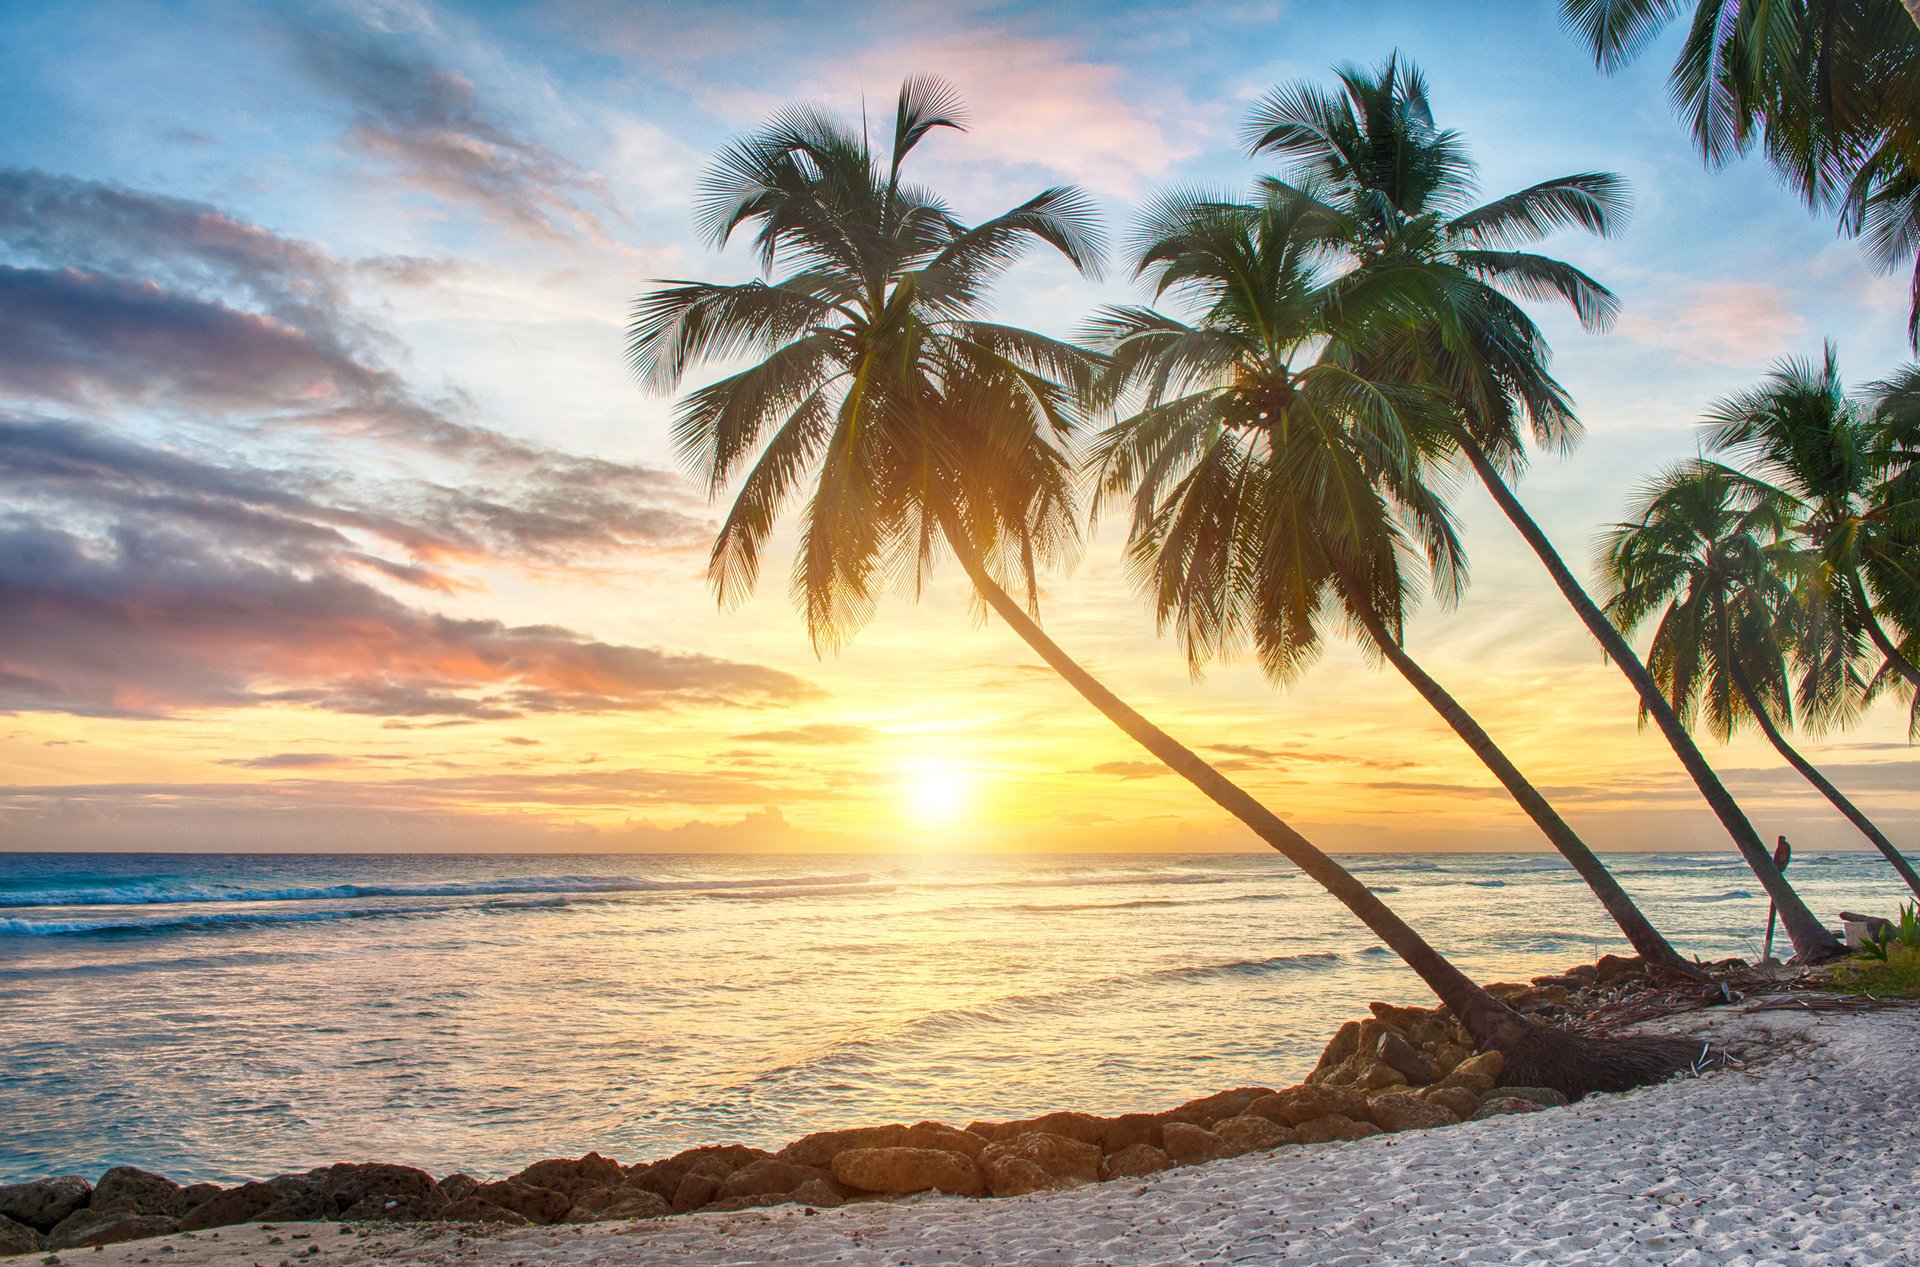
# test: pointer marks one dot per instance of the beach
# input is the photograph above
(1801, 1153)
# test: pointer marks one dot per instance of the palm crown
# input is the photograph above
(880, 378)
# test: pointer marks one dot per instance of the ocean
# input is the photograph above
(232, 1017)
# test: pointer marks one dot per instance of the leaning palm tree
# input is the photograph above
(1712, 553)
(1399, 191)
(910, 423)
(1274, 485)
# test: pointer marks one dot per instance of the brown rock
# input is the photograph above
(1477, 1073)
(1585, 973)
(234, 1205)
(820, 1192)
(1396, 1053)
(1251, 1133)
(1611, 968)
(44, 1202)
(940, 1135)
(1135, 1161)
(130, 1190)
(902, 1170)
(1446, 1056)
(663, 1178)
(85, 1228)
(471, 1209)
(572, 1176)
(17, 1238)
(1187, 1144)
(1401, 1111)
(458, 1187)
(1128, 1129)
(377, 1209)
(1380, 1076)
(1334, 1126)
(344, 1186)
(1402, 1019)
(535, 1205)
(1209, 1109)
(768, 1176)
(1545, 1097)
(1062, 1162)
(1503, 1105)
(819, 1148)
(1304, 1103)
(1084, 1127)
(1459, 1101)
(1345, 1042)
(700, 1185)
(617, 1201)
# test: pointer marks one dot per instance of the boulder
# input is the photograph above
(86, 1228)
(820, 1148)
(44, 1202)
(1502, 1105)
(767, 1177)
(344, 1186)
(1446, 1055)
(1566, 981)
(1609, 969)
(1135, 1161)
(1378, 1075)
(1345, 1042)
(1188, 1144)
(1128, 1129)
(1305, 1103)
(663, 1178)
(903, 1170)
(130, 1190)
(700, 1185)
(535, 1205)
(1010, 1165)
(820, 1192)
(1401, 1111)
(1545, 1097)
(1323, 1130)
(1401, 1019)
(1585, 973)
(1084, 1127)
(471, 1209)
(617, 1201)
(234, 1205)
(572, 1176)
(1477, 1073)
(458, 1187)
(940, 1135)
(17, 1237)
(385, 1209)
(1209, 1109)
(1396, 1053)
(1249, 1133)
(1456, 1100)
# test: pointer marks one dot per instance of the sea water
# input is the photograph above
(231, 1017)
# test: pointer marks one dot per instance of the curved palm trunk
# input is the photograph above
(1812, 941)
(1535, 1054)
(1645, 939)
(1812, 775)
(1901, 665)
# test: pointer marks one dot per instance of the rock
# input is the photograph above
(618, 1201)
(1136, 1161)
(471, 1209)
(818, 1192)
(234, 1205)
(1345, 1042)
(1128, 1129)
(663, 1178)
(700, 1185)
(1458, 1101)
(1304, 1103)
(1401, 1111)
(1545, 1097)
(130, 1190)
(342, 1187)
(1396, 1053)
(1084, 1127)
(1446, 1055)
(379, 1209)
(458, 1187)
(1611, 968)
(1188, 1144)
(819, 1148)
(767, 1177)
(1404, 1020)
(572, 1176)
(17, 1238)
(88, 1227)
(940, 1135)
(903, 1170)
(1477, 1073)
(1322, 1130)
(1566, 981)
(1209, 1109)
(1501, 1105)
(535, 1205)
(1251, 1133)
(1380, 1076)
(44, 1202)
(1585, 973)
(1010, 1165)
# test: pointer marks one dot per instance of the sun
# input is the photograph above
(936, 790)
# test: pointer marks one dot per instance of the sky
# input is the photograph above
(331, 519)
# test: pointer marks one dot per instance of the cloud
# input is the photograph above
(428, 124)
(1732, 323)
(1130, 769)
(814, 733)
(295, 761)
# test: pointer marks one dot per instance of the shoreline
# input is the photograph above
(1401, 1070)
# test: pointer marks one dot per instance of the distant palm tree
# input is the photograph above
(1274, 485)
(1829, 89)
(1849, 482)
(917, 425)
(1713, 554)
(1400, 192)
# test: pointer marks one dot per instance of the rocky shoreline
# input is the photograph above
(1401, 1069)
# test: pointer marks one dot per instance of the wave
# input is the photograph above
(1731, 895)
(1145, 902)
(150, 895)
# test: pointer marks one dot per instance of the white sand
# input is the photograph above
(1810, 1155)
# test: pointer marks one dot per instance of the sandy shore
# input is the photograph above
(1807, 1155)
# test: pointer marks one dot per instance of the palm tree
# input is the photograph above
(1829, 89)
(918, 424)
(1835, 460)
(1400, 192)
(1275, 486)
(1713, 553)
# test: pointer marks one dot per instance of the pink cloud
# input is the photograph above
(1722, 323)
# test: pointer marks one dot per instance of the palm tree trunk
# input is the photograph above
(1645, 939)
(1913, 11)
(1901, 665)
(1535, 1054)
(1812, 941)
(1813, 776)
